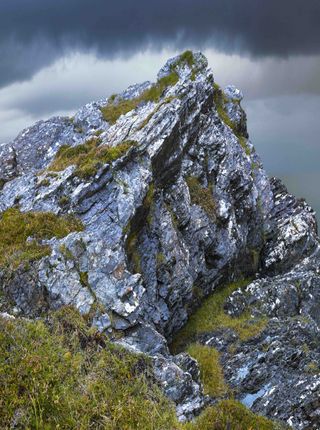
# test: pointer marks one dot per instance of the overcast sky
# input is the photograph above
(58, 55)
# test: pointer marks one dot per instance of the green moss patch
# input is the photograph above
(132, 250)
(211, 316)
(21, 233)
(88, 157)
(64, 201)
(211, 372)
(185, 58)
(68, 376)
(115, 108)
(231, 415)
(44, 183)
(65, 375)
(202, 196)
(220, 100)
(244, 144)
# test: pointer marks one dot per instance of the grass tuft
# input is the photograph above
(202, 196)
(64, 201)
(88, 157)
(211, 373)
(21, 234)
(114, 109)
(44, 183)
(231, 415)
(210, 316)
(185, 58)
(68, 376)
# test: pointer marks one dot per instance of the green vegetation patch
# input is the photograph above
(44, 183)
(231, 415)
(211, 316)
(132, 250)
(21, 233)
(244, 144)
(115, 108)
(64, 200)
(220, 100)
(68, 376)
(185, 58)
(202, 196)
(88, 157)
(313, 368)
(211, 372)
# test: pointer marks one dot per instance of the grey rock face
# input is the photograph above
(294, 234)
(277, 373)
(187, 208)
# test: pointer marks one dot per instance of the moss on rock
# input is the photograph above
(115, 108)
(202, 196)
(231, 415)
(211, 372)
(88, 157)
(21, 234)
(210, 316)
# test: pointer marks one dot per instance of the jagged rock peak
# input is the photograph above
(173, 203)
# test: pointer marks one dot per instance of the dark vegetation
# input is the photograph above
(134, 228)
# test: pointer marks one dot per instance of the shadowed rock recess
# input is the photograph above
(172, 205)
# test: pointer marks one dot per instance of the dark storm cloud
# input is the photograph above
(33, 33)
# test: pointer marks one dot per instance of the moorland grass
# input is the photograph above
(21, 234)
(211, 316)
(88, 157)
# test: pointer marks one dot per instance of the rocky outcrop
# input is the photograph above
(183, 209)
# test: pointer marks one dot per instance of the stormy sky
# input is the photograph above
(57, 55)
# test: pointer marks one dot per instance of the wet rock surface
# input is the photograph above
(187, 208)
